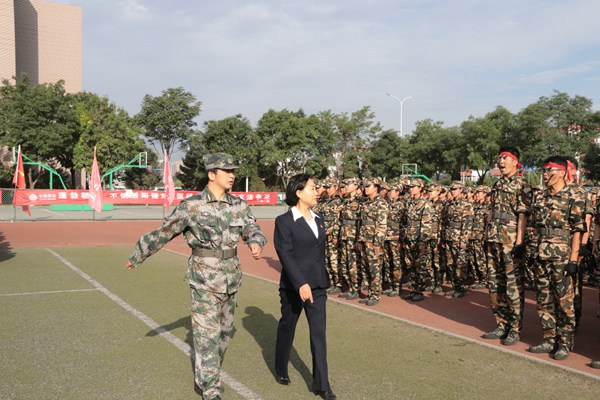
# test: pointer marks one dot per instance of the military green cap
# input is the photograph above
(415, 182)
(483, 188)
(218, 161)
(432, 186)
(384, 185)
(349, 181)
(329, 182)
(371, 181)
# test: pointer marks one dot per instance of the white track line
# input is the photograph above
(239, 387)
(48, 292)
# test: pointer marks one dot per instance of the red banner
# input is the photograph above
(26, 197)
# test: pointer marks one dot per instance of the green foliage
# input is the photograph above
(168, 119)
(108, 128)
(144, 178)
(40, 118)
(387, 154)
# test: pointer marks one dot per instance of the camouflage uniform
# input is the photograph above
(212, 228)
(557, 217)
(509, 198)
(419, 224)
(349, 257)
(458, 223)
(588, 209)
(371, 236)
(475, 250)
(392, 270)
(331, 215)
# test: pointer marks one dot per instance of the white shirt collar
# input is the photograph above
(297, 214)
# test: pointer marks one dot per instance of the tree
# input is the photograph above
(145, 178)
(387, 154)
(108, 128)
(233, 135)
(482, 137)
(42, 119)
(288, 143)
(168, 119)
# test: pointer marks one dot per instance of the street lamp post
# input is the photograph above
(401, 103)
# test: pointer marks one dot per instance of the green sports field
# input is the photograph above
(76, 324)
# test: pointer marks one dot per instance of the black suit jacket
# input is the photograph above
(301, 254)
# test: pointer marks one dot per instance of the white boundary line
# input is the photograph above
(455, 335)
(48, 292)
(239, 387)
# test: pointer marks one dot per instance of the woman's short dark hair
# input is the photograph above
(297, 182)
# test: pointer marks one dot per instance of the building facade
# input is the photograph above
(43, 40)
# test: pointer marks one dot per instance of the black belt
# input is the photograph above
(225, 253)
(504, 217)
(554, 232)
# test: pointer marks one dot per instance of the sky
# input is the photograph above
(455, 58)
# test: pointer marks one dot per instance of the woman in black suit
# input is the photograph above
(300, 243)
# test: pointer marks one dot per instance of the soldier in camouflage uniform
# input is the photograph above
(435, 275)
(392, 267)
(475, 251)
(371, 237)
(505, 234)
(458, 223)
(349, 257)
(559, 217)
(531, 244)
(596, 252)
(331, 215)
(589, 211)
(419, 222)
(212, 222)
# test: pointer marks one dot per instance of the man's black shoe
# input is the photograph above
(326, 394)
(283, 380)
(409, 296)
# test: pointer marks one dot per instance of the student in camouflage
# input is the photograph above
(212, 222)
(559, 217)
(371, 238)
(505, 233)
(392, 268)
(331, 214)
(419, 222)
(432, 192)
(349, 257)
(475, 251)
(596, 252)
(458, 223)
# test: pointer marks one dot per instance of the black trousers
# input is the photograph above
(291, 308)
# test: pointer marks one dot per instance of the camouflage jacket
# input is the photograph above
(436, 224)
(373, 221)
(557, 217)
(331, 215)
(206, 223)
(458, 221)
(349, 218)
(509, 198)
(321, 203)
(481, 211)
(419, 220)
(394, 221)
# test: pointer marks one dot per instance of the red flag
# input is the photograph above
(95, 189)
(168, 183)
(19, 178)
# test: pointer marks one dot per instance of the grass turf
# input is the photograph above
(80, 344)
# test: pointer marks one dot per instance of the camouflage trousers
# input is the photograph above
(530, 263)
(348, 264)
(457, 263)
(372, 258)
(555, 301)
(418, 259)
(476, 261)
(392, 268)
(332, 256)
(505, 285)
(212, 327)
(436, 268)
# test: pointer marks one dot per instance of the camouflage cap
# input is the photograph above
(432, 186)
(482, 188)
(415, 182)
(329, 182)
(456, 185)
(371, 181)
(218, 161)
(396, 185)
(349, 181)
(384, 185)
